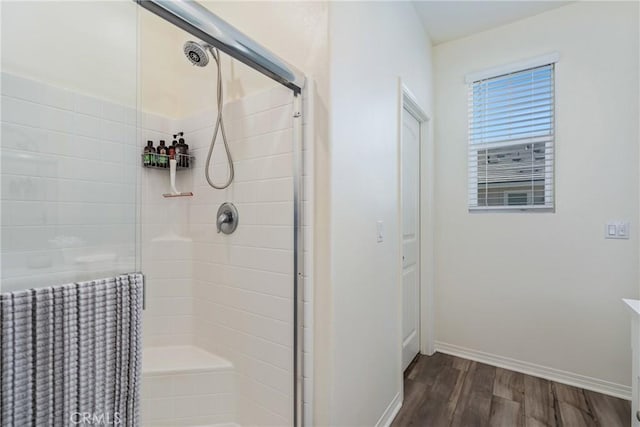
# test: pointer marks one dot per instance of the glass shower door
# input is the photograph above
(68, 148)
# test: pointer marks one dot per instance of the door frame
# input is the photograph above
(406, 100)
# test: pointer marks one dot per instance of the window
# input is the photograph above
(511, 139)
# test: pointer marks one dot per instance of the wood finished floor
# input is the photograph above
(443, 390)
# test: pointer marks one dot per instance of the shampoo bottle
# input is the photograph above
(172, 149)
(163, 158)
(182, 149)
(149, 154)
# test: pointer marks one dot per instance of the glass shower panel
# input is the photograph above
(68, 147)
(218, 338)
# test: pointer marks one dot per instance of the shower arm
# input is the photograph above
(211, 29)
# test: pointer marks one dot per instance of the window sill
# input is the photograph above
(513, 209)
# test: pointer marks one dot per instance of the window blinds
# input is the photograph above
(511, 140)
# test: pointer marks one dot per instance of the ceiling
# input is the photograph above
(449, 20)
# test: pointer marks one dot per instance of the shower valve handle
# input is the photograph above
(224, 218)
(227, 218)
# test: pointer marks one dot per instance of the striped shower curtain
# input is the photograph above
(71, 354)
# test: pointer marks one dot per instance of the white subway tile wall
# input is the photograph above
(68, 185)
(244, 281)
(240, 286)
(167, 249)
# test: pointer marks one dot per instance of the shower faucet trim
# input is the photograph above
(227, 218)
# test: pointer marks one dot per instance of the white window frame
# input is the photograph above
(472, 179)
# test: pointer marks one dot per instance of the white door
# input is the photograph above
(410, 187)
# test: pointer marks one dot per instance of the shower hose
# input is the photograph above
(219, 126)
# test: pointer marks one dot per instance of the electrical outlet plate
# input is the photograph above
(616, 230)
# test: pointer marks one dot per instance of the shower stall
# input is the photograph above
(223, 338)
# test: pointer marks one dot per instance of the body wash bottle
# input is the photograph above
(149, 154)
(163, 158)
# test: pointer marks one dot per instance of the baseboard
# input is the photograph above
(557, 375)
(390, 413)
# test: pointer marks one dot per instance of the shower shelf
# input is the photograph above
(161, 161)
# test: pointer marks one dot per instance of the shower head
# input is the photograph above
(196, 53)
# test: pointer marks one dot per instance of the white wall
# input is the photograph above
(372, 44)
(545, 288)
(170, 85)
(87, 47)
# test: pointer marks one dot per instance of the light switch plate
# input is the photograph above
(616, 230)
(379, 231)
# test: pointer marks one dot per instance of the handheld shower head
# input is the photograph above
(196, 53)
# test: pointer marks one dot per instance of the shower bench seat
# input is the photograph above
(181, 359)
(186, 386)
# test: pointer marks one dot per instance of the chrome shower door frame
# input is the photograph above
(298, 261)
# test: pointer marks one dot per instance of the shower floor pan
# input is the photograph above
(186, 386)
